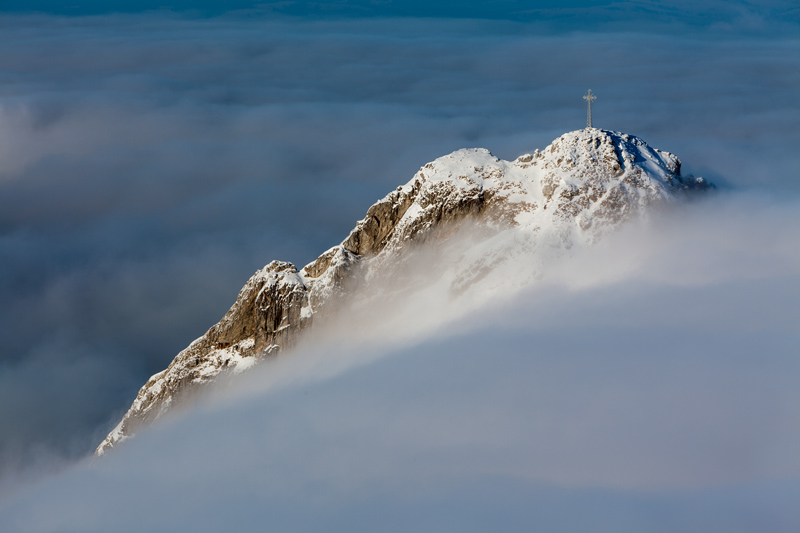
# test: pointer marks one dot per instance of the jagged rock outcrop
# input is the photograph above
(583, 185)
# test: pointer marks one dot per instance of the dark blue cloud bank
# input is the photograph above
(150, 162)
(555, 14)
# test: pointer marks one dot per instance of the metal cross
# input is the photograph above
(589, 97)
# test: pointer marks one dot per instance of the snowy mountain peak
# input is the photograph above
(584, 184)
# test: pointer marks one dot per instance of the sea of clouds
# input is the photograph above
(150, 163)
(647, 383)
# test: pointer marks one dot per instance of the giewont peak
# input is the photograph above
(583, 185)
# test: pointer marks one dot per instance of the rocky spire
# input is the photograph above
(584, 184)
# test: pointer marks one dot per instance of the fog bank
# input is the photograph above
(651, 386)
(150, 163)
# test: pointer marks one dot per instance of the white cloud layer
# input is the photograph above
(150, 163)
(648, 384)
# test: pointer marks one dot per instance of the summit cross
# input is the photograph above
(589, 97)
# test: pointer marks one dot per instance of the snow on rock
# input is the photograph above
(584, 184)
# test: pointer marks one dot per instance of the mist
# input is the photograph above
(150, 163)
(647, 383)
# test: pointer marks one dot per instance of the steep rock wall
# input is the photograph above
(583, 185)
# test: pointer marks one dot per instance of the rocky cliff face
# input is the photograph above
(583, 185)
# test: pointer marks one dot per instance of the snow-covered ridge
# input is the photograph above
(584, 184)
